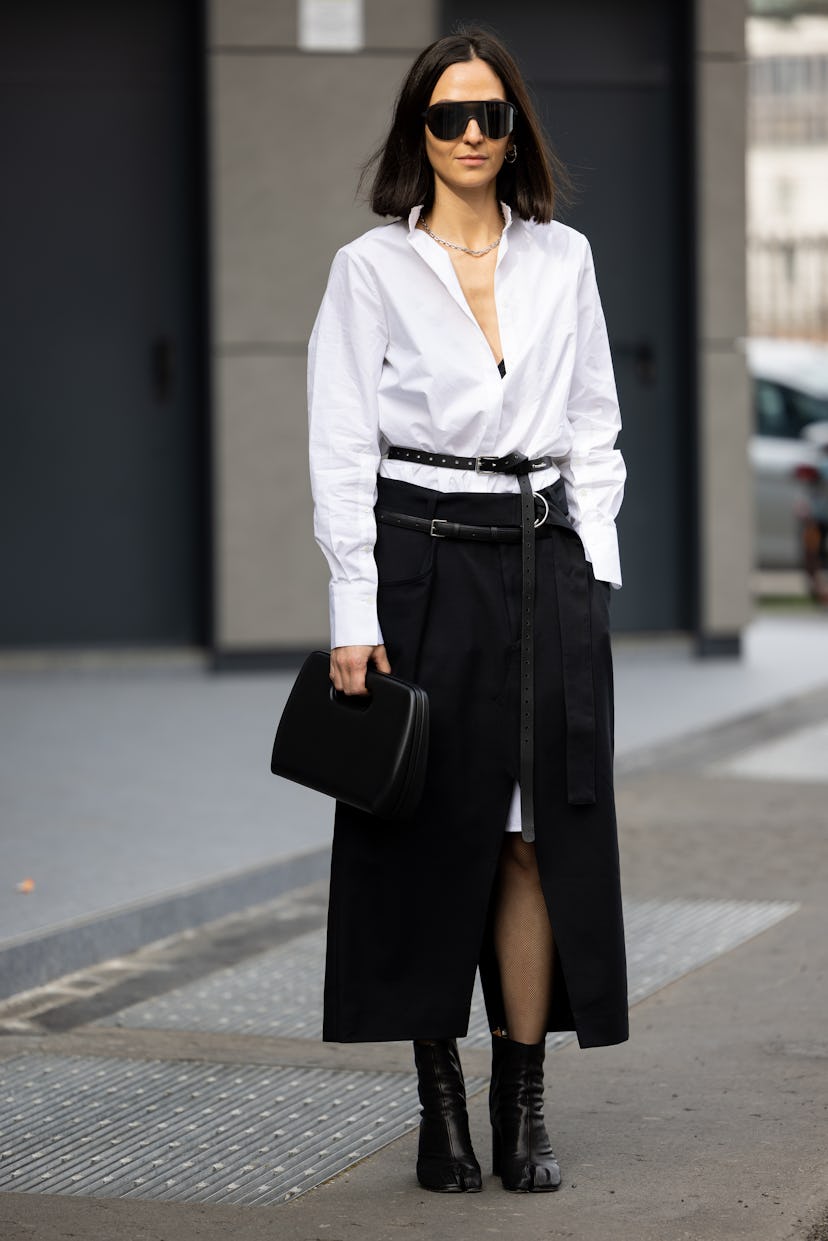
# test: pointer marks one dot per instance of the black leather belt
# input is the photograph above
(522, 466)
(439, 528)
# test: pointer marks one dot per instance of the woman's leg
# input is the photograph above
(523, 942)
(521, 1152)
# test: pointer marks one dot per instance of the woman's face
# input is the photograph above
(471, 161)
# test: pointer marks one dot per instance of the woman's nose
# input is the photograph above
(473, 133)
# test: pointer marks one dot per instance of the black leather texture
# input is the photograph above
(369, 750)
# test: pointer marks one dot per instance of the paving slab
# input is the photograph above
(709, 1124)
(799, 756)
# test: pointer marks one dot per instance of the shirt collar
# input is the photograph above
(415, 213)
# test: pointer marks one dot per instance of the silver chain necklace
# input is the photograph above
(475, 254)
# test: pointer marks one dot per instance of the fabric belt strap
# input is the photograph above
(575, 628)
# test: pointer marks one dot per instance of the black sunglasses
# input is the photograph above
(449, 120)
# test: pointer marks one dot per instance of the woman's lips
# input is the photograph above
(472, 159)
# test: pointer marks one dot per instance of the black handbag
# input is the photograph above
(368, 750)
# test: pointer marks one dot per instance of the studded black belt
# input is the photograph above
(579, 766)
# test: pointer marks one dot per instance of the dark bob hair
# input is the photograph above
(399, 173)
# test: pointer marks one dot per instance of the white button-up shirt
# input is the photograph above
(396, 356)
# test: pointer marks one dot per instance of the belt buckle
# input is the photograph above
(482, 468)
(435, 534)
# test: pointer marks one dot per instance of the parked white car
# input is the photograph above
(790, 381)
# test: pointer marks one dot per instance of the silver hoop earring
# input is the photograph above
(511, 155)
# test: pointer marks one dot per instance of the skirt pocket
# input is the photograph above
(403, 556)
(402, 609)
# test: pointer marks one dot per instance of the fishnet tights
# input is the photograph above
(523, 942)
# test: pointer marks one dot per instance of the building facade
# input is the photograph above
(787, 176)
(183, 178)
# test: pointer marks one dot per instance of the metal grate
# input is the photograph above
(279, 993)
(667, 939)
(276, 993)
(193, 1133)
(255, 1135)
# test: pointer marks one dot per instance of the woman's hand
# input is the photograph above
(349, 664)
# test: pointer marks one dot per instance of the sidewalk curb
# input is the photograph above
(34, 960)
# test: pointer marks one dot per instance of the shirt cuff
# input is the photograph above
(353, 616)
(601, 547)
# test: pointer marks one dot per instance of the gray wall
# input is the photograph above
(725, 519)
(283, 180)
(283, 201)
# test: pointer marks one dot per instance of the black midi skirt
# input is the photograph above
(410, 907)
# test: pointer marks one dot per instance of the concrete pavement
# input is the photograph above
(137, 797)
(710, 1124)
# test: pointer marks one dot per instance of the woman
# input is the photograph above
(463, 416)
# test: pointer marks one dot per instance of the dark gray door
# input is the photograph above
(607, 77)
(101, 434)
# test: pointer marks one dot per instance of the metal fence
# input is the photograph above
(788, 287)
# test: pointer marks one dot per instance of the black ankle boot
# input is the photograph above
(445, 1159)
(521, 1153)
